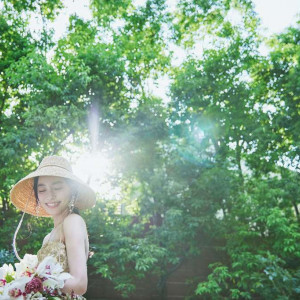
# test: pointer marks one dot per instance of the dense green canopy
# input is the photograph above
(214, 165)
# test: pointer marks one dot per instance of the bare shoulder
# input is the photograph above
(46, 238)
(74, 219)
(73, 223)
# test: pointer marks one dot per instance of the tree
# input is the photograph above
(213, 170)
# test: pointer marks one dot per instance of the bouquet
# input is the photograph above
(31, 280)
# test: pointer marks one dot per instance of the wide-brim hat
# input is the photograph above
(22, 194)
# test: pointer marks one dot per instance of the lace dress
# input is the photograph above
(58, 250)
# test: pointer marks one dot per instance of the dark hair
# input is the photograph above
(35, 183)
(69, 181)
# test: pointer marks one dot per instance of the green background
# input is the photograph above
(216, 167)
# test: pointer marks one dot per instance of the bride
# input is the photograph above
(54, 191)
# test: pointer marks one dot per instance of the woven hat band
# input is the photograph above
(67, 169)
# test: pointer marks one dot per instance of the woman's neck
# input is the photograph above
(57, 220)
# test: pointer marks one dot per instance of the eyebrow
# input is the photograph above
(54, 183)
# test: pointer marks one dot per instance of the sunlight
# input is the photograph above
(92, 166)
(198, 134)
(95, 169)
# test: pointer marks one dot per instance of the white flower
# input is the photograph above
(53, 271)
(49, 271)
(31, 261)
(17, 284)
(6, 270)
(57, 281)
(48, 266)
(27, 266)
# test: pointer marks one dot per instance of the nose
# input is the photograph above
(53, 195)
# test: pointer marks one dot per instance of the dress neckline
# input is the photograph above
(53, 242)
(57, 241)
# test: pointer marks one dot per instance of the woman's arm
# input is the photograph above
(75, 235)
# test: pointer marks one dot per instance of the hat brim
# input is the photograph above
(22, 193)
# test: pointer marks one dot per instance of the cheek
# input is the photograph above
(65, 195)
(42, 196)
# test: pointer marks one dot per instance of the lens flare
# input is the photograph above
(93, 121)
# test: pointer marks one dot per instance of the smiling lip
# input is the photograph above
(53, 204)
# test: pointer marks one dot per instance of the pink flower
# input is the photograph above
(15, 293)
(48, 268)
(35, 285)
(2, 282)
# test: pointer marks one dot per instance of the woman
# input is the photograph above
(54, 191)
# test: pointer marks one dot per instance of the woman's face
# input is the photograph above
(54, 194)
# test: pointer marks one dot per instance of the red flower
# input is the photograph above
(35, 285)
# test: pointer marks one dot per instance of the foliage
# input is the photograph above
(214, 167)
(47, 8)
(6, 257)
(122, 253)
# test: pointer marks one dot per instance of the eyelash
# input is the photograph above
(54, 189)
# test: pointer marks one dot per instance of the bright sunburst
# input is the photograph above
(94, 169)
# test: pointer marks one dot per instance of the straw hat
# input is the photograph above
(22, 194)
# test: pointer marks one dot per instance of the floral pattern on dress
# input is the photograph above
(56, 249)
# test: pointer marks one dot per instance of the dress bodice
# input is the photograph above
(57, 249)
